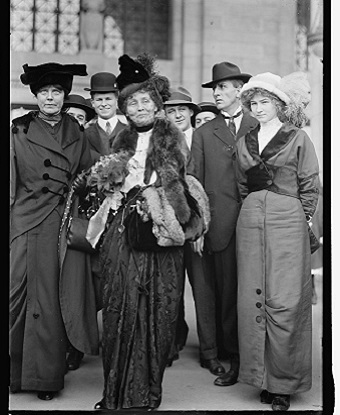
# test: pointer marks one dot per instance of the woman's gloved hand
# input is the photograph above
(79, 184)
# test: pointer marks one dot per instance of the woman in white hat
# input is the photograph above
(279, 184)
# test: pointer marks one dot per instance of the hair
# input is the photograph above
(249, 94)
(291, 112)
(237, 83)
(158, 88)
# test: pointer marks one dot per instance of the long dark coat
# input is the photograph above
(274, 272)
(213, 150)
(44, 161)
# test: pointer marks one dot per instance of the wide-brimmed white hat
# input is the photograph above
(268, 81)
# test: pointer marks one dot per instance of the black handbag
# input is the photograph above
(139, 234)
(76, 235)
(314, 243)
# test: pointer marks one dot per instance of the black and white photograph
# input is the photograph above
(167, 180)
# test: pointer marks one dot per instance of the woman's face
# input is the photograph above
(141, 109)
(263, 108)
(50, 99)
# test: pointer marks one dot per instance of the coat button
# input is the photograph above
(258, 305)
(233, 156)
(269, 182)
(258, 319)
(35, 315)
(261, 167)
(258, 291)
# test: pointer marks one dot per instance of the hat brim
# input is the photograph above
(268, 87)
(196, 108)
(210, 108)
(243, 77)
(104, 89)
(90, 112)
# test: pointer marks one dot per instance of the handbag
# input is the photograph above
(139, 234)
(314, 243)
(77, 228)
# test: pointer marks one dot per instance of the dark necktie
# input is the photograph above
(108, 128)
(231, 125)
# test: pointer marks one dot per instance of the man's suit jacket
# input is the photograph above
(100, 144)
(213, 150)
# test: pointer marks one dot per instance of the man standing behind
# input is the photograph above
(77, 106)
(104, 93)
(213, 150)
(181, 111)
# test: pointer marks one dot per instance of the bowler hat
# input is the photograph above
(181, 96)
(78, 101)
(51, 73)
(224, 71)
(103, 82)
(209, 106)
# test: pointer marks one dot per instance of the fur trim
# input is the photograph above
(167, 155)
(197, 192)
(166, 227)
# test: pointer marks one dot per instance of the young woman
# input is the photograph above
(279, 185)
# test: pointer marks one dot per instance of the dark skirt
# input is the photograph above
(38, 339)
(141, 294)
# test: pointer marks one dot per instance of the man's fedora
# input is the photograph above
(225, 71)
(103, 82)
(181, 96)
(77, 101)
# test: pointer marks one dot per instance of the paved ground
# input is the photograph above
(186, 385)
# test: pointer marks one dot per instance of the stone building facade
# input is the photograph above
(187, 36)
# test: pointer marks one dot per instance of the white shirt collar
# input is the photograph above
(188, 136)
(113, 122)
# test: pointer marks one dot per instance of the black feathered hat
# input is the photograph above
(139, 74)
(51, 73)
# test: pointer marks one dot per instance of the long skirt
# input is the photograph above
(38, 339)
(274, 294)
(141, 294)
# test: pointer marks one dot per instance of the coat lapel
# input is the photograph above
(248, 123)
(221, 131)
(281, 139)
(35, 135)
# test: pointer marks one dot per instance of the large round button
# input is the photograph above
(258, 305)
(269, 182)
(258, 291)
(35, 315)
(258, 319)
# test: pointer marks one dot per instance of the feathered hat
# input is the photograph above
(139, 74)
(51, 73)
(293, 90)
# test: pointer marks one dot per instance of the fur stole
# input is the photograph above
(168, 155)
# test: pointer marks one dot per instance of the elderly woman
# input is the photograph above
(47, 151)
(151, 211)
(279, 186)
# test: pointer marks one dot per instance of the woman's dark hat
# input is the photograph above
(224, 71)
(181, 96)
(78, 101)
(209, 106)
(103, 82)
(51, 73)
(139, 74)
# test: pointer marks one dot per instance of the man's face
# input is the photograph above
(105, 104)
(226, 95)
(78, 113)
(50, 99)
(180, 115)
(203, 117)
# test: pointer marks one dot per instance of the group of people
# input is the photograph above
(223, 192)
